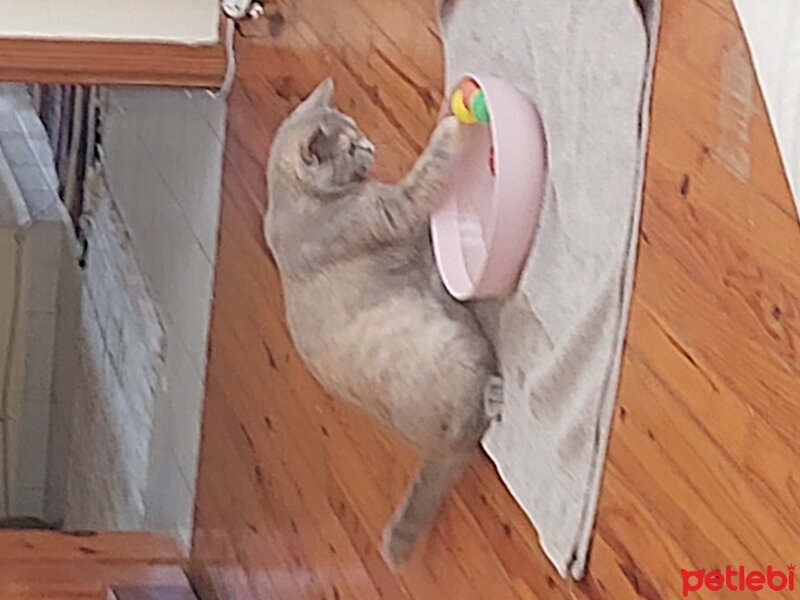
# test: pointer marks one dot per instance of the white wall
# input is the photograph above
(27, 167)
(14, 219)
(190, 21)
(163, 157)
(772, 30)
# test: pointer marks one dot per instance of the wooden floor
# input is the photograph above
(91, 566)
(295, 489)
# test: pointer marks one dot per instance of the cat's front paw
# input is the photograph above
(446, 139)
(448, 135)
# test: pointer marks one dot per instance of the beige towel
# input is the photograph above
(587, 66)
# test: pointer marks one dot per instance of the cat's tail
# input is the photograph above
(422, 504)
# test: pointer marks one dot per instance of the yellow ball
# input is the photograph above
(459, 108)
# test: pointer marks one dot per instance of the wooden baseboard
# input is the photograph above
(91, 566)
(111, 63)
(152, 593)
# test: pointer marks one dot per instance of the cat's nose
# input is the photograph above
(364, 156)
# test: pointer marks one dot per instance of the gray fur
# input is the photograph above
(365, 306)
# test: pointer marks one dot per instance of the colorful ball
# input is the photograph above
(459, 108)
(478, 107)
(469, 88)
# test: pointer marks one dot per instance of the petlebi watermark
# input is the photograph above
(739, 579)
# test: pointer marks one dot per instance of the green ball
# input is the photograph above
(479, 108)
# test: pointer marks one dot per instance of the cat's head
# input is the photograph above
(323, 147)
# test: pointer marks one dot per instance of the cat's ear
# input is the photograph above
(319, 98)
(319, 147)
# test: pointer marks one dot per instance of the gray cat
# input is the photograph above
(365, 306)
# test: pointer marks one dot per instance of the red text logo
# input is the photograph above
(738, 580)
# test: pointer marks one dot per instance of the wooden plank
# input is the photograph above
(111, 63)
(89, 547)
